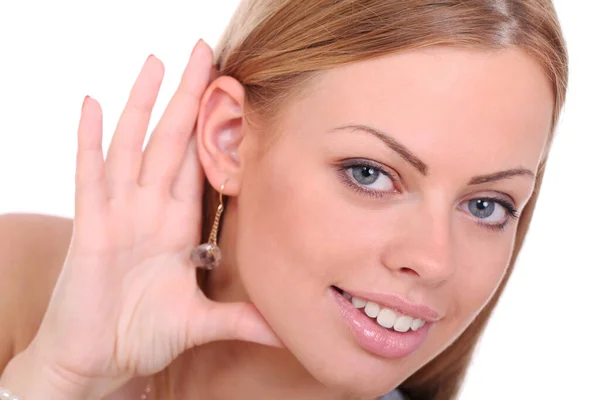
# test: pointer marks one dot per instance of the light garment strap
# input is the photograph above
(395, 395)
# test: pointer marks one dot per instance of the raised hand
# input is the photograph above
(126, 302)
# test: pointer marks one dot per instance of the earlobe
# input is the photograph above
(220, 132)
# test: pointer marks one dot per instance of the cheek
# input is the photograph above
(279, 241)
(295, 239)
(294, 229)
(481, 265)
(484, 263)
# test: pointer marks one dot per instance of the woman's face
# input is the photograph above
(398, 181)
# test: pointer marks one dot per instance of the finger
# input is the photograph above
(164, 152)
(231, 321)
(124, 155)
(190, 180)
(90, 181)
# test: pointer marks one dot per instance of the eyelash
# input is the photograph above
(361, 163)
(358, 163)
(513, 215)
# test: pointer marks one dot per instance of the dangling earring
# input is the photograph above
(208, 255)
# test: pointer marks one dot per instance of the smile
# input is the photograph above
(386, 317)
(381, 330)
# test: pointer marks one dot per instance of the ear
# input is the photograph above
(219, 133)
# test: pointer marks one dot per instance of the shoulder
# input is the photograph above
(32, 251)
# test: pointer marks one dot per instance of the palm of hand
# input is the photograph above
(126, 302)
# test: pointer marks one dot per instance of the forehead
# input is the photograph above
(442, 103)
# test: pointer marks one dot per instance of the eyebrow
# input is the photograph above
(497, 176)
(406, 154)
(421, 166)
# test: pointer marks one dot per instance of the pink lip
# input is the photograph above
(399, 304)
(375, 338)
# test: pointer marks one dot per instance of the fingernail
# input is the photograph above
(85, 99)
(199, 43)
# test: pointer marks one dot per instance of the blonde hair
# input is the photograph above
(275, 47)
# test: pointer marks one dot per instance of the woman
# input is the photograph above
(380, 162)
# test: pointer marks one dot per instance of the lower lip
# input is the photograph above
(375, 338)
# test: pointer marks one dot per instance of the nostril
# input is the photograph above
(409, 271)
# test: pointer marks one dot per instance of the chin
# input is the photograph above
(319, 338)
(352, 374)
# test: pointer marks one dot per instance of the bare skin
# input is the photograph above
(137, 216)
(410, 230)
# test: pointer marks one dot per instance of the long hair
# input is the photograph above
(274, 48)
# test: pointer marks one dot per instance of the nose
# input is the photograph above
(421, 244)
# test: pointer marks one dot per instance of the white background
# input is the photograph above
(542, 342)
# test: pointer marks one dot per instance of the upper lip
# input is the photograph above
(399, 304)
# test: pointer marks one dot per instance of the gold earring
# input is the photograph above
(208, 255)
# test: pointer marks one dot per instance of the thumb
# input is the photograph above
(230, 321)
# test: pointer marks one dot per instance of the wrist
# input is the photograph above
(26, 377)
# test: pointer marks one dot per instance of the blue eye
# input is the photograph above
(482, 208)
(493, 213)
(367, 177)
(370, 178)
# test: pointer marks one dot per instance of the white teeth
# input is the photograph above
(358, 302)
(347, 295)
(372, 309)
(386, 318)
(416, 324)
(403, 323)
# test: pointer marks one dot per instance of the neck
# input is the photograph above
(237, 370)
(241, 370)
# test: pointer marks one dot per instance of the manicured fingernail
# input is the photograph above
(199, 43)
(85, 99)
